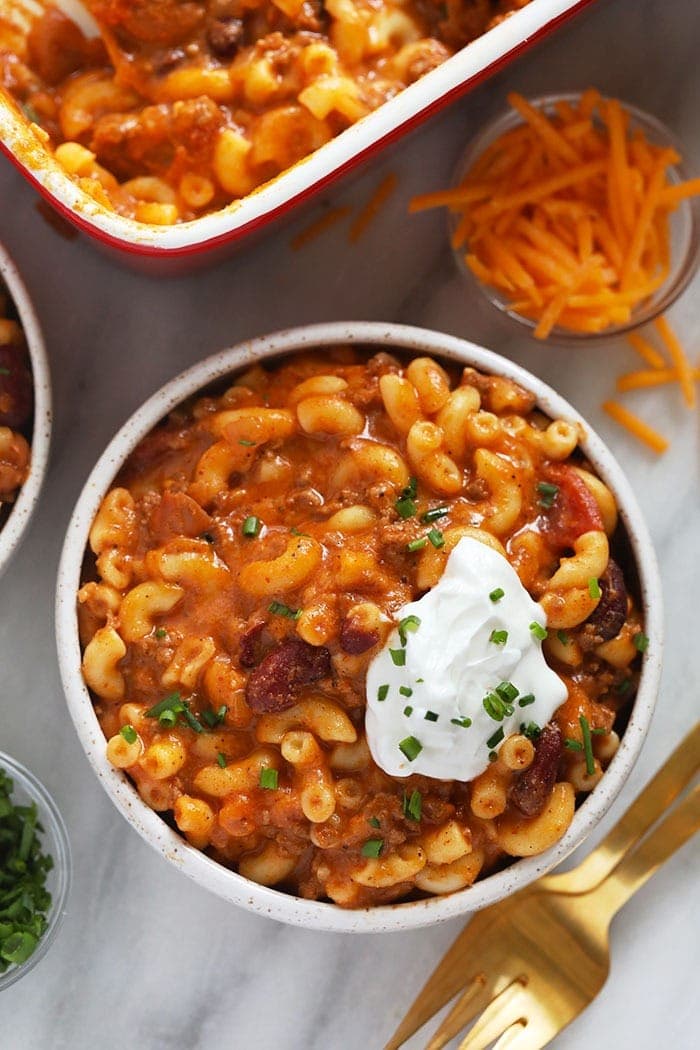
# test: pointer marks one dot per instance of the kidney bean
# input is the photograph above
(533, 787)
(16, 391)
(275, 683)
(250, 652)
(609, 615)
(355, 639)
(177, 514)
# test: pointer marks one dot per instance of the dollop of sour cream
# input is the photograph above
(443, 686)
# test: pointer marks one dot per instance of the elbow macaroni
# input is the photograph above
(288, 513)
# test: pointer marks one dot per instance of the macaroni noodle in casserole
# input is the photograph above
(182, 107)
(16, 406)
(253, 559)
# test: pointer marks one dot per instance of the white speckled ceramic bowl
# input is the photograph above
(13, 530)
(208, 873)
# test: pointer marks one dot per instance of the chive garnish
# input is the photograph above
(563, 637)
(498, 637)
(623, 686)
(641, 642)
(374, 822)
(526, 700)
(507, 691)
(434, 515)
(573, 745)
(464, 723)
(161, 632)
(497, 594)
(246, 443)
(214, 718)
(436, 538)
(530, 729)
(280, 609)
(587, 744)
(192, 721)
(495, 738)
(398, 657)
(269, 779)
(409, 623)
(129, 734)
(412, 805)
(221, 759)
(406, 503)
(251, 526)
(405, 690)
(601, 731)
(4, 371)
(493, 757)
(494, 707)
(594, 587)
(548, 493)
(167, 719)
(431, 716)
(408, 710)
(382, 692)
(372, 847)
(410, 747)
(417, 545)
(538, 630)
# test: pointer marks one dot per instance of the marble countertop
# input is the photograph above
(145, 959)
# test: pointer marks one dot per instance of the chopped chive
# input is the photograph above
(161, 632)
(563, 637)
(4, 371)
(408, 710)
(587, 744)
(246, 443)
(269, 779)
(431, 716)
(494, 707)
(406, 503)
(251, 526)
(374, 822)
(214, 718)
(382, 692)
(538, 630)
(548, 493)
(599, 732)
(493, 757)
(594, 587)
(498, 637)
(463, 722)
(419, 681)
(411, 748)
(526, 700)
(398, 657)
(129, 734)
(495, 738)
(192, 721)
(573, 745)
(167, 719)
(623, 686)
(530, 729)
(434, 515)
(221, 759)
(497, 594)
(507, 691)
(412, 805)
(417, 545)
(409, 623)
(297, 532)
(372, 847)
(172, 702)
(641, 642)
(280, 609)
(405, 690)
(436, 538)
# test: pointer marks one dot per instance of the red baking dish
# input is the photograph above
(180, 247)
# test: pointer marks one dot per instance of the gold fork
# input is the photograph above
(531, 963)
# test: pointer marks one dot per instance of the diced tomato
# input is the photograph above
(574, 510)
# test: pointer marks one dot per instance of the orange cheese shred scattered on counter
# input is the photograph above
(382, 193)
(679, 359)
(567, 214)
(636, 426)
(318, 226)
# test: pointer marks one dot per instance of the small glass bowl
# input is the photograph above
(684, 227)
(54, 840)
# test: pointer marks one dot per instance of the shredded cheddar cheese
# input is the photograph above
(318, 226)
(568, 215)
(636, 426)
(382, 193)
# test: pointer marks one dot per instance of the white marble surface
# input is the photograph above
(146, 960)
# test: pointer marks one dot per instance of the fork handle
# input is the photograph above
(631, 873)
(673, 776)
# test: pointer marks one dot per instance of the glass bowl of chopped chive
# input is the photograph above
(35, 870)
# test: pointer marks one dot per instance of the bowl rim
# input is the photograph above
(13, 531)
(63, 863)
(464, 70)
(688, 211)
(151, 826)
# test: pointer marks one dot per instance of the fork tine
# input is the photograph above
(450, 976)
(471, 1003)
(509, 1007)
(524, 1036)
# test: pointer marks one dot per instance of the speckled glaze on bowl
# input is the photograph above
(208, 873)
(13, 530)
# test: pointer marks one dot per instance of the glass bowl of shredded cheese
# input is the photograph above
(35, 870)
(574, 216)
